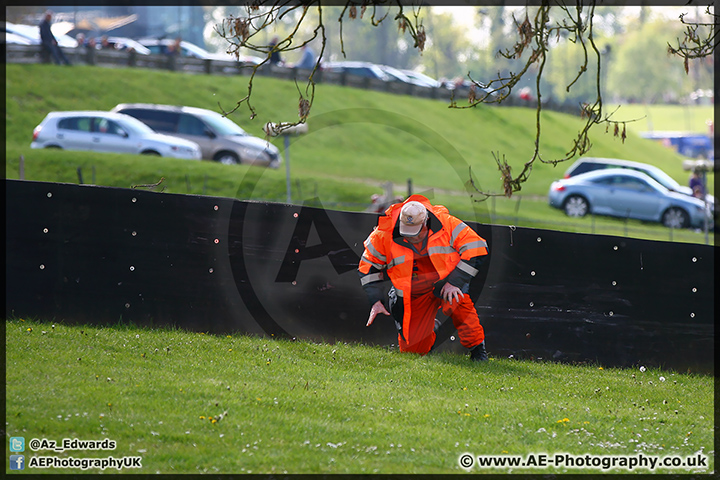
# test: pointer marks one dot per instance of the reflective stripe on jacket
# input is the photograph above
(451, 246)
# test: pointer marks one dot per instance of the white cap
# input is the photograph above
(412, 218)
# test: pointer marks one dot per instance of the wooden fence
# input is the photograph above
(113, 58)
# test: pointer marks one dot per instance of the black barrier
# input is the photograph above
(100, 255)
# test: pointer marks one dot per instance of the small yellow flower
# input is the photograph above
(487, 415)
(202, 417)
(600, 368)
(214, 421)
(29, 329)
(229, 349)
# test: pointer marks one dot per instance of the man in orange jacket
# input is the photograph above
(430, 257)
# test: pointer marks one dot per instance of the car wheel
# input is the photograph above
(151, 153)
(675, 218)
(227, 158)
(576, 206)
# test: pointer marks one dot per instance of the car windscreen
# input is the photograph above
(662, 178)
(223, 125)
(134, 126)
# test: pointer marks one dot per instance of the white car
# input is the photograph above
(32, 34)
(108, 132)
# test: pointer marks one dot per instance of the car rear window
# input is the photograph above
(158, 120)
(75, 123)
(586, 167)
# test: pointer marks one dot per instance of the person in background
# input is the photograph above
(274, 55)
(49, 44)
(307, 61)
(430, 257)
(697, 185)
(174, 49)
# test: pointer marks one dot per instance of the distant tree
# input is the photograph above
(448, 47)
(641, 71)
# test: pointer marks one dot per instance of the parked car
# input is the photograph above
(123, 44)
(360, 69)
(32, 34)
(422, 79)
(398, 75)
(15, 39)
(187, 49)
(589, 164)
(108, 132)
(625, 193)
(220, 139)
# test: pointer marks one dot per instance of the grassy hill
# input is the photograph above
(357, 140)
(194, 403)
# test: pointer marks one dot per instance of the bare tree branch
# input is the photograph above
(700, 41)
(534, 38)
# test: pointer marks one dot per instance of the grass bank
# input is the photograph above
(194, 403)
(357, 141)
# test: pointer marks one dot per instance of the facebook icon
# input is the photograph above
(17, 462)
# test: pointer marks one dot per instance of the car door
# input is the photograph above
(109, 136)
(634, 198)
(74, 133)
(192, 128)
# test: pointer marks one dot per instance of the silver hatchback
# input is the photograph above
(220, 139)
(108, 132)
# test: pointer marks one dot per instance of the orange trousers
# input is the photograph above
(424, 308)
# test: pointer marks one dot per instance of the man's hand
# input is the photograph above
(378, 307)
(450, 292)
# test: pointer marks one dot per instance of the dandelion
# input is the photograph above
(487, 415)
(600, 368)
(29, 329)
(202, 417)
(662, 379)
(642, 369)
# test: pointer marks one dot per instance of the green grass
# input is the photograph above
(301, 407)
(357, 140)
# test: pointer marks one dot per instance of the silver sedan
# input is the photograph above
(627, 194)
(108, 132)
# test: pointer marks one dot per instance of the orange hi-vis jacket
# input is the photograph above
(453, 248)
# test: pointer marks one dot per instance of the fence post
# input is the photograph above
(79, 174)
